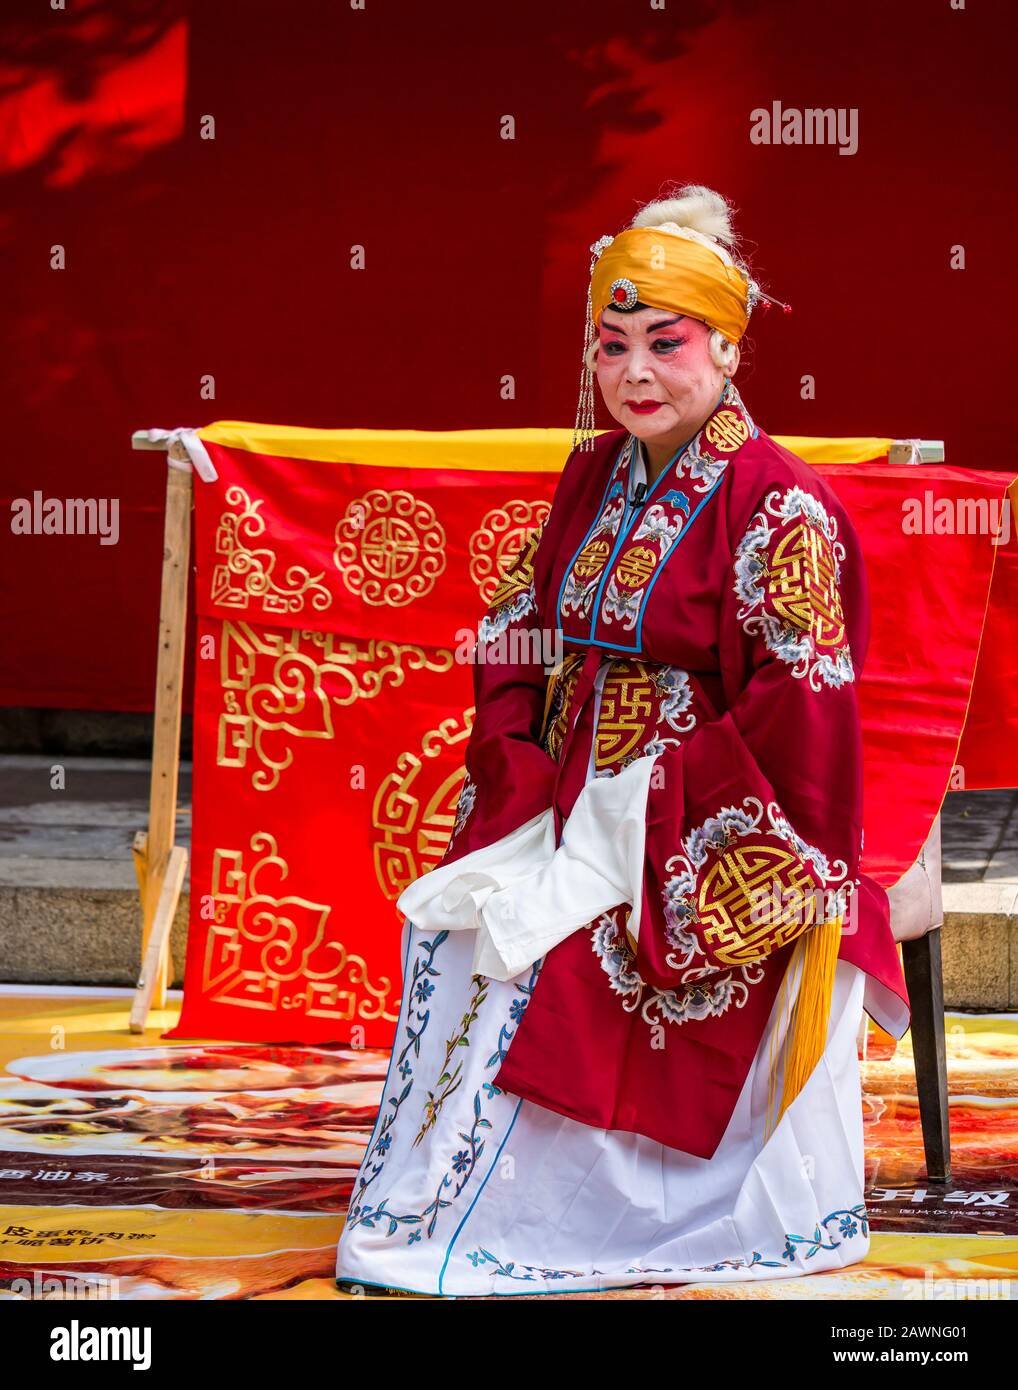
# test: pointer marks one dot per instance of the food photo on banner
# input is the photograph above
(517, 796)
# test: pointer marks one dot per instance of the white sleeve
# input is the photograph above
(523, 896)
(598, 865)
(448, 897)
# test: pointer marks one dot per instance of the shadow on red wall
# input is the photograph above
(211, 278)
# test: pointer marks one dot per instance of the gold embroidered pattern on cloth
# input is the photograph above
(248, 574)
(515, 596)
(636, 566)
(415, 808)
(390, 547)
(497, 544)
(726, 431)
(803, 587)
(787, 574)
(625, 712)
(709, 874)
(271, 952)
(557, 704)
(592, 557)
(281, 686)
(643, 704)
(743, 877)
(519, 575)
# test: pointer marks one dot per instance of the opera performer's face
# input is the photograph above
(656, 374)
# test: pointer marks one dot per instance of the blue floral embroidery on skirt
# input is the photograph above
(851, 1221)
(464, 1160)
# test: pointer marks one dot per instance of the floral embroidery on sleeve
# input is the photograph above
(787, 574)
(515, 596)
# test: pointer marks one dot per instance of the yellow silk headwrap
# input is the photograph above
(673, 272)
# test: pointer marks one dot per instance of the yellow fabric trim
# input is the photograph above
(543, 451)
(817, 449)
(486, 451)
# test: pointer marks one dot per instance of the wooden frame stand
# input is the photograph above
(159, 863)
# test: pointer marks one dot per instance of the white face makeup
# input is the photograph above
(657, 377)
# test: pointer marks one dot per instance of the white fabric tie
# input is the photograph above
(197, 454)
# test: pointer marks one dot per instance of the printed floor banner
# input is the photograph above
(340, 577)
(135, 1170)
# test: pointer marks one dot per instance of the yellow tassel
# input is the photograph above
(806, 1035)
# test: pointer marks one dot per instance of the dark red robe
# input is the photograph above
(731, 603)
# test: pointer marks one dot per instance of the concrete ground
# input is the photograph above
(69, 908)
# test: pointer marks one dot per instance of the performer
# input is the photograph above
(626, 1051)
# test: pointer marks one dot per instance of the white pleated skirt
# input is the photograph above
(467, 1190)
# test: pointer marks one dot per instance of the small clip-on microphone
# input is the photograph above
(639, 493)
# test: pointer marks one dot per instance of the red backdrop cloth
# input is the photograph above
(929, 598)
(329, 737)
(988, 754)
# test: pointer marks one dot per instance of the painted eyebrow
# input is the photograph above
(651, 328)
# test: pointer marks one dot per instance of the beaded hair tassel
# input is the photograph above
(583, 431)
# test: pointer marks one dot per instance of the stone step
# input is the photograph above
(980, 878)
(69, 908)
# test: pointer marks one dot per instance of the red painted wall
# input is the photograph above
(334, 127)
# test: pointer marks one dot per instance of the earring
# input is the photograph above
(583, 430)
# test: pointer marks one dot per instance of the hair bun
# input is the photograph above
(694, 206)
